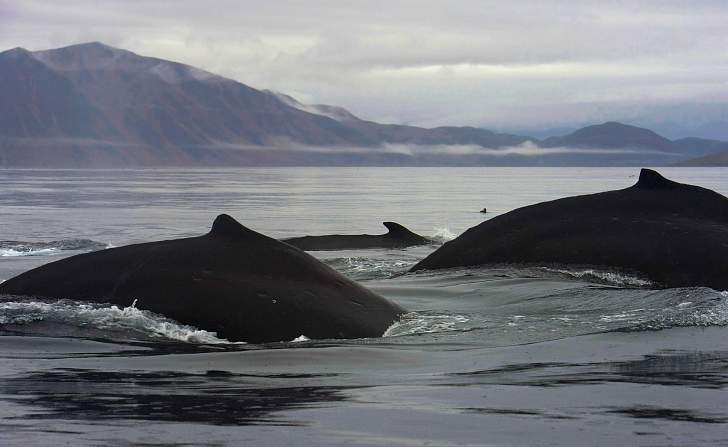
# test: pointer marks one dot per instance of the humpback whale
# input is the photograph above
(674, 234)
(233, 281)
(397, 237)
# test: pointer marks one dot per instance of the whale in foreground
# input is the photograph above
(397, 237)
(233, 281)
(674, 234)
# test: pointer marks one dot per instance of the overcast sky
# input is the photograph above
(497, 64)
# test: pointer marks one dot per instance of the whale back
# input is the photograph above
(397, 236)
(651, 196)
(234, 281)
(673, 233)
(656, 195)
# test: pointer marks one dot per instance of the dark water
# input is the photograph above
(497, 356)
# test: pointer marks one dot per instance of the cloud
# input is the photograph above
(479, 62)
(526, 149)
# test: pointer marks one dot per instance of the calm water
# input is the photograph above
(496, 356)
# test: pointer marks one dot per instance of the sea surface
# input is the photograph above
(487, 356)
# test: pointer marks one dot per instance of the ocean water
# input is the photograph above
(486, 356)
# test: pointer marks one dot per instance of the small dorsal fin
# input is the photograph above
(226, 226)
(650, 179)
(400, 232)
(395, 228)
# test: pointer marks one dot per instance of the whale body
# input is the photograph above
(397, 237)
(674, 234)
(233, 281)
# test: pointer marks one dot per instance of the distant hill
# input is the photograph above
(631, 143)
(92, 105)
(611, 135)
(719, 159)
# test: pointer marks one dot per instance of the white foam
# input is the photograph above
(360, 267)
(680, 316)
(104, 317)
(363, 264)
(24, 248)
(620, 317)
(29, 252)
(606, 276)
(420, 323)
(442, 234)
(300, 338)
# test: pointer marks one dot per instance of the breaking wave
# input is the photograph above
(414, 323)
(22, 248)
(130, 321)
(602, 276)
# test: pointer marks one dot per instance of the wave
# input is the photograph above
(130, 321)
(481, 314)
(416, 323)
(23, 248)
(500, 310)
(602, 276)
(678, 316)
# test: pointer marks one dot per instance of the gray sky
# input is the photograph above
(497, 64)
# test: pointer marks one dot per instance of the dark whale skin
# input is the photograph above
(674, 234)
(397, 237)
(241, 284)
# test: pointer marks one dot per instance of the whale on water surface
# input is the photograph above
(397, 237)
(233, 281)
(674, 234)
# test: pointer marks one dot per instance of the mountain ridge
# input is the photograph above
(91, 104)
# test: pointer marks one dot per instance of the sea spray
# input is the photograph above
(442, 235)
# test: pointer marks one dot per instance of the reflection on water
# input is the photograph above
(691, 369)
(670, 414)
(217, 397)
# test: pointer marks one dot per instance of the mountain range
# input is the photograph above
(92, 105)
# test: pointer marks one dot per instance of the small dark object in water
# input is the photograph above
(241, 284)
(397, 237)
(675, 234)
(484, 210)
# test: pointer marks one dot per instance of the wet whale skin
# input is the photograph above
(233, 281)
(674, 234)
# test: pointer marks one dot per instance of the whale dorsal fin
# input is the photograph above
(399, 231)
(650, 179)
(226, 226)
